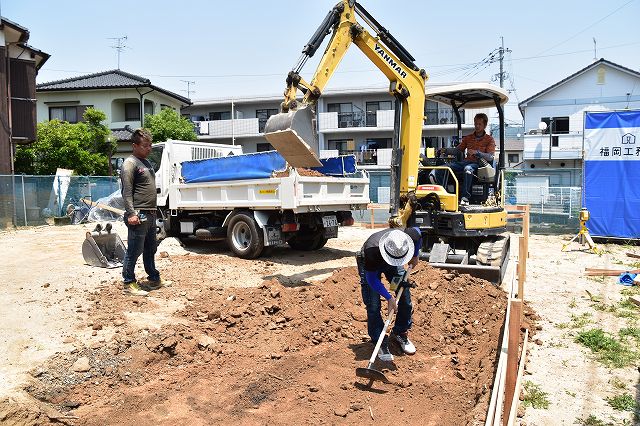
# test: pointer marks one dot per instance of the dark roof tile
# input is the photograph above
(112, 79)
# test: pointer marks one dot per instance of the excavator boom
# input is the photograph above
(296, 138)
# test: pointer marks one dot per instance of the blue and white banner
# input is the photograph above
(612, 173)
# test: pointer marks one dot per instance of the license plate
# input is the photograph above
(329, 221)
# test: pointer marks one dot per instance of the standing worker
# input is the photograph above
(139, 195)
(386, 252)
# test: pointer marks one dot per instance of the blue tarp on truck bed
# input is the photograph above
(337, 166)
(246, 166)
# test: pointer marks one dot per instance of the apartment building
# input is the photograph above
(355, 121)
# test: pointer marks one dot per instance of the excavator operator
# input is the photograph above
(479, 145)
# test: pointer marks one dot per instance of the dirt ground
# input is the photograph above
(277, 340)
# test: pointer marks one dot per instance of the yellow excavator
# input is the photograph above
(465, 239)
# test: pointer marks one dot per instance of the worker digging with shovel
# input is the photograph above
(386, 252)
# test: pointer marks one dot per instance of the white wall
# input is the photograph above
(584, 93)
(102, 100)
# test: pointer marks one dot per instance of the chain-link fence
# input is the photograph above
(27, 200)
(552, 210)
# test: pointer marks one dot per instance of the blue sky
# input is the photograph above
(244, 47)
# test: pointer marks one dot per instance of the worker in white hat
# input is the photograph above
(386, 252)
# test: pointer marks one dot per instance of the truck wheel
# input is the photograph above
(307, 242)
(161, 230)
(244, 236)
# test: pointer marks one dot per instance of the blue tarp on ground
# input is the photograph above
(247, 166)
(337, 166)
(612, 173)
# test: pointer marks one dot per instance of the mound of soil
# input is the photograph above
(301, 171)
(277, 355)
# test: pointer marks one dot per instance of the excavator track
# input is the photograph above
(493, 251)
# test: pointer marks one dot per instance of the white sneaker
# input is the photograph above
(464, 201)
(384, 354)
(405, 344)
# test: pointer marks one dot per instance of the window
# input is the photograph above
(560, 125)
(132, 111)
(347, 117)
(513, 158)
(263, 115)
(262, 147)
(342, 145)
(71, 114)
(220, 115)
(372, 108)
(148, 107)
(155, 157)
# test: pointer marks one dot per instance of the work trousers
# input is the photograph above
(373, 303)
(141, 240)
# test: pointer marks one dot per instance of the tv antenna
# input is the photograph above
(189, 91)
(119, 46)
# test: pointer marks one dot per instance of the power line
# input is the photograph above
(586, 28)
(450, 68)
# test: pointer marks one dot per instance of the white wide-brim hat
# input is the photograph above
(396, 248)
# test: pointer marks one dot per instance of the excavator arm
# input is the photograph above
(407, 85)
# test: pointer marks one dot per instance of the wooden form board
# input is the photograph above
(511, 374)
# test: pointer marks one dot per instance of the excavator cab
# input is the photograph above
(470, 238)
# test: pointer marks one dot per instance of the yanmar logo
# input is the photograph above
(384, 55)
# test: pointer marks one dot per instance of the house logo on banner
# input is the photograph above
(621, 151)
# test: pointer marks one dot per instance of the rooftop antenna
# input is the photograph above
(119, 46)
(595, 54)
(189, 91)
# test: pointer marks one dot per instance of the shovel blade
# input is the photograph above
(102, 249)
(293, 135)
(371, 374)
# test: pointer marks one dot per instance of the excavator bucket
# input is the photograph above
(103, 249)
(292, 135)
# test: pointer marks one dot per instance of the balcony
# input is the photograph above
(569, 146)
(228, 128)
(441, 116)
(331, 121)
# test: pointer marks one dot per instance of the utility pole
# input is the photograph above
(189, 91)
(501, 52)
(119, 46)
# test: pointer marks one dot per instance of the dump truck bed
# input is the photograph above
(300, 194)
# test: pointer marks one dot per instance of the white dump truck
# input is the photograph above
(253, 201)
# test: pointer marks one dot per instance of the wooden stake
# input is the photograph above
(512, 358)
(522, 266)
(525, 229)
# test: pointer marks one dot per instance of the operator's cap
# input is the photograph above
(396, 248)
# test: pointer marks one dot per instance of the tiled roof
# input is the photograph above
(101, 80)
(121, 134)
(113, 79)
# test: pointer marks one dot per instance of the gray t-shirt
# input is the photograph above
(138, 185)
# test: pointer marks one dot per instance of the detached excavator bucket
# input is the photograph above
(292, 135)
(103, 249)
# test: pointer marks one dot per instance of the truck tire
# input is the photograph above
(161, 231)
(244, 237)
(307, 242)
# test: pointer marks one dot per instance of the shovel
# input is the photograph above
(369, 372)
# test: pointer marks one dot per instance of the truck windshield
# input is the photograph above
(155, 156)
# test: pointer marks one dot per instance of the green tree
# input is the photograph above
(84, 147)
(168, 124)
